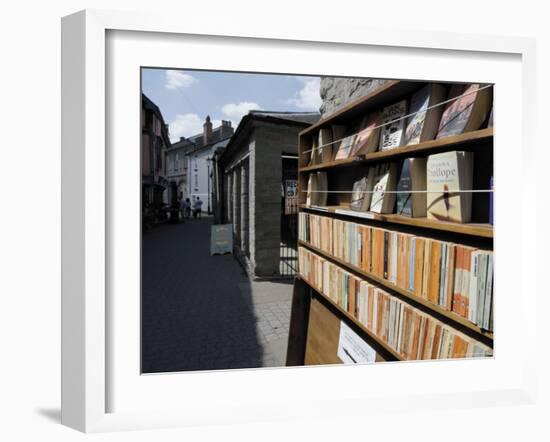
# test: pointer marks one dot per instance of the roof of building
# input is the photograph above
(220, 144)
(147, 103)
(198, 139)
(182, 143)
(304, 119)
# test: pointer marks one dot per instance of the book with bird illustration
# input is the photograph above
(449, 180)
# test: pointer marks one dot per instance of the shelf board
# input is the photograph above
(472, 229)
(359, 324)
(478, 136)
(457, 319)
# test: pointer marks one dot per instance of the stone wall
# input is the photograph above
(336, 92)
(271, 140)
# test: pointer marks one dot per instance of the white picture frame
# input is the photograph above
(90, 360)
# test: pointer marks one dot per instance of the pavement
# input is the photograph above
(202, 312)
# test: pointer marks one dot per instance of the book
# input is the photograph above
(466, 113)
(362, 194)
(449, 178)
(368, 136)
(393, 130)
(456, 277)
(412, 178)
(311, 197)
(423, 124)
(384, 181)
(325, 145)
(412, 333)
(322, 187)
(345, 147)
(314, 155)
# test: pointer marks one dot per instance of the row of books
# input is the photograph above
(456, 277)
(437, 187)
(409, 331)
(408, 121)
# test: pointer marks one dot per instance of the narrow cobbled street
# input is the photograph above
(201, 312)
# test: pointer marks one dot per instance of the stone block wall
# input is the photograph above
(336, 92)
(271, 140)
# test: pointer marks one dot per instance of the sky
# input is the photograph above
(185, 97)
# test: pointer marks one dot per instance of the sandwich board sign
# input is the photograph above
(221, 239)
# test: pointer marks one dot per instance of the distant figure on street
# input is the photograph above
(197, 208)
(185, 208)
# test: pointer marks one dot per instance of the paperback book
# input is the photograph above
(384, 181)
(422, 125)
(466, 113)
(325, 145)
(368, 135)
(449, 182)
(393, 129)
(361, 195)
(412, 178)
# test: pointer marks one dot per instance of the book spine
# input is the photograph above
(386, 251)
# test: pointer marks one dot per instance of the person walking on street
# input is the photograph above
(198, 207)
(186, 208)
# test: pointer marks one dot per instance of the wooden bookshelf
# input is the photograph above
(472, 229)
(382, 347)
(479, 139)
(341, 174)
(450, 317)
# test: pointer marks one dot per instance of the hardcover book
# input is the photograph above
(368, 135)
(449, 178)
(423, 124)
(466, 113)
(384, 181)
(393, 129)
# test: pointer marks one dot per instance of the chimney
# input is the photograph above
(207, 131)
(225, 129)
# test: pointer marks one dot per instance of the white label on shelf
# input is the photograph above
(352, 349)
(368, 215)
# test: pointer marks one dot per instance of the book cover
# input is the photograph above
(449, 178)
(362, 194)
(322, 187)
(368, 136)
(393, 125)
(325, 145)
(423, 123)
(311, 189)
(345, 148)
(404, 186)
(384, 185)
(466, 113)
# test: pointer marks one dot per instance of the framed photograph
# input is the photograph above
(174, 257)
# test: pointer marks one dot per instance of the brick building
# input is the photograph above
(249, 178)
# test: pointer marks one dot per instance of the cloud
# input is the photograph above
(178, 80)
(185, 125)
(235, 112)
(307, 98)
